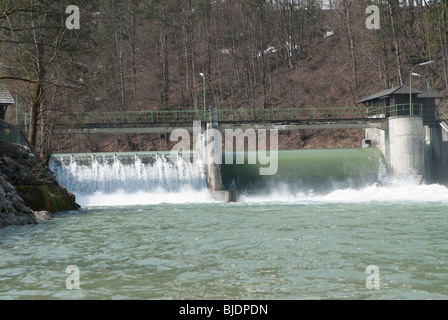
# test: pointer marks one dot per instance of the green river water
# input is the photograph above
(284, 242)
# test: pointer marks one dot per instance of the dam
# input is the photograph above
(156, 176)
(401, 141)
(406, 149)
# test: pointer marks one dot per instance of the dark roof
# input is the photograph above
(430, 94)
(5, 95)
(385, 93)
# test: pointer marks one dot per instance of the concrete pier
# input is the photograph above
(210, 146)
(406, 156)
(402, 144)
(437, 153)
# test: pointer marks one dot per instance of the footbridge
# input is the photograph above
(157, 122)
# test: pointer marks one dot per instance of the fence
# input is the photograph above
(240, 114)
(237, 114)
(13, 134)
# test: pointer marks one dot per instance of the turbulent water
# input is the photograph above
(169, 240)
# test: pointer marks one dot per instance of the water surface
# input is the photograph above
(310, 248)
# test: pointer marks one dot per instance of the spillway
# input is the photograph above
(303, 170)
(152, 177)
(129, 178)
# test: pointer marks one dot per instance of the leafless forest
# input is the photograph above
(148, 55)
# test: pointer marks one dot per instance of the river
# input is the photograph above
(176, 243)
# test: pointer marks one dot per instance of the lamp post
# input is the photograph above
(205, 104)
(420, 76)
(410, 82)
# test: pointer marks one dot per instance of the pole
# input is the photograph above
(410, 82)
(205, 103)
(428, 82)
(25, 122)
(17, 109)
(410, 91)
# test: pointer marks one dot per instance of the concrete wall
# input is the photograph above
(210, 147)
(438, 155)
(377, 138)
(212, 167)
(406, 146)
(402, 145)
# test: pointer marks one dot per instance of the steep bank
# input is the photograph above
(13, 210)
(28, 187)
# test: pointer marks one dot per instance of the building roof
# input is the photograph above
(385, 93)
(5, 95)
(430, 94)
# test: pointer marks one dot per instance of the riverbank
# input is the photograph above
(28, 189)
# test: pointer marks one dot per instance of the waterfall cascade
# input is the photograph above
(149, 175)
(152, 178)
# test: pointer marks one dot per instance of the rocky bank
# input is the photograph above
(28, 189)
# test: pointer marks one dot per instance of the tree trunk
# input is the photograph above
(443, 41)
(35, 111)
(351, 45)
(396, 45)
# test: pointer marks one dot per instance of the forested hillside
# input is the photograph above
(149, 54)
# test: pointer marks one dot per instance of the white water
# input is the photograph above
(393, 192)
(98, 182)
(115, 183)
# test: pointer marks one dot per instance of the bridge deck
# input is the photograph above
(148, 128)
(165, 121)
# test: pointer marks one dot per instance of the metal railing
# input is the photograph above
(12, 134)
(396, 110)
(172, 116)
(237, 114)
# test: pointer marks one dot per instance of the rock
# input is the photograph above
(51, 198)
(13, 210)
(43, 215)
(28, 186)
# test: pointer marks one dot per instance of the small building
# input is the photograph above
(429, 99)
(6, 100)
(396, 102)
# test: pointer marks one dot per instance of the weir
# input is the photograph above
(154, 174)
(304, 170)
(394, 145)
(107, 173)
(397, 150)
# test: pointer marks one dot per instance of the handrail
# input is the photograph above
(394, 110)
(235, 115)
(13, 134)
(268, 114)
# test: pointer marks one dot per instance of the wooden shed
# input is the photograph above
(397, 99)
(6, 100)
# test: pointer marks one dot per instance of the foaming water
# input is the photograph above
(108, 180)
(399, 191)
(124, 198)
(131, 179)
